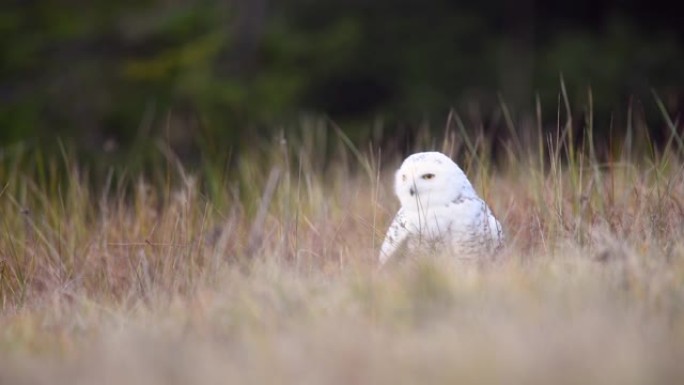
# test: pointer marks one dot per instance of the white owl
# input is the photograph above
(440, 211)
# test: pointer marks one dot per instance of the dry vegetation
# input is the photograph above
(266, 274)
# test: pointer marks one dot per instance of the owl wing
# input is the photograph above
(397, 234)
(494, 228)
(486, 227)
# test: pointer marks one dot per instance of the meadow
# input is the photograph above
(266, 272)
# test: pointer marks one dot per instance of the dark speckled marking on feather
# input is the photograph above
(420, 157)
(423, 156)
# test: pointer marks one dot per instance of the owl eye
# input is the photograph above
(427, 176)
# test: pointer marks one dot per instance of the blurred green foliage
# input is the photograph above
(215, 74)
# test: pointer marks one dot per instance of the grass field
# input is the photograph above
(266, 272)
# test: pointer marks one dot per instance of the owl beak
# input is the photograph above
(412, 191)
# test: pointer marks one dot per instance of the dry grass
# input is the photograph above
(272, 278)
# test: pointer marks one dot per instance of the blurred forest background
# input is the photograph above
(109, 76)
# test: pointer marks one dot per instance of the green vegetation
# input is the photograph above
(110, 76)
(264, 270)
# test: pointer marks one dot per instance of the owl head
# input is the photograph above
(429, 179)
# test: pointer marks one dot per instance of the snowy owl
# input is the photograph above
(440, 211)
